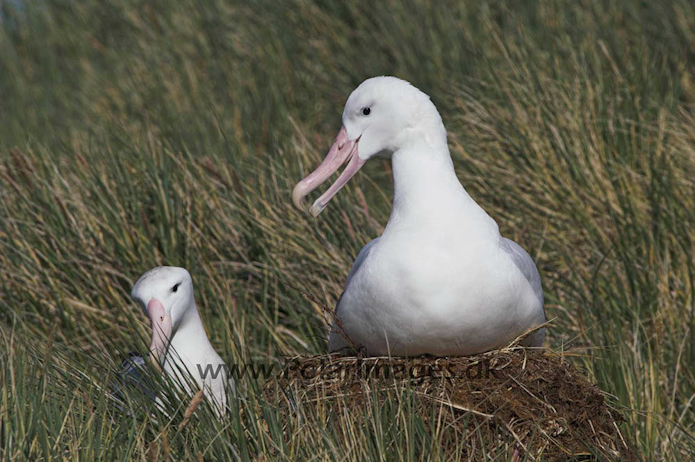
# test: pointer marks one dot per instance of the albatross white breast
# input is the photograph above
(179, 341)
(440, 280)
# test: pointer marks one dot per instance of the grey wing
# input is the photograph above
(525, 263)
(132, 375)
(361, 257)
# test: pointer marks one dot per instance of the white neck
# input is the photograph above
(190, 341)
(427, 193)
(190, 350)
(422, 178)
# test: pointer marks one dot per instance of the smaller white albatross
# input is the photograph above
(441, 280)
(179, 342)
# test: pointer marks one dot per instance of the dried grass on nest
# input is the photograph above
(547, 407)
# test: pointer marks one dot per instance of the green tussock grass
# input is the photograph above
(135, 134)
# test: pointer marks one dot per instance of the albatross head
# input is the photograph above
(166, 294)
(381, 116)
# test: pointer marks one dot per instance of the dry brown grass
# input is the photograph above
(535, 402)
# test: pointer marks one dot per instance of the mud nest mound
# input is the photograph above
(534, 402)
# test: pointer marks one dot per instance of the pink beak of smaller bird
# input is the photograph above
(342, 151)
(161, 329)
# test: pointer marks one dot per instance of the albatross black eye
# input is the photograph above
(366, 111)
(176, 287)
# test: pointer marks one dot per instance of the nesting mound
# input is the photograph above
(532, 400)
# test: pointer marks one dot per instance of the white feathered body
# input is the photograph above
(438, 280)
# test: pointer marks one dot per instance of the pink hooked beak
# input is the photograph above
(343, 150)
(161, 328)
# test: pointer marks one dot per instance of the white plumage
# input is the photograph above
(440, 280)
(179, 341)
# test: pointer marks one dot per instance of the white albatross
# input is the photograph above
(179, 342)
(441, 280)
